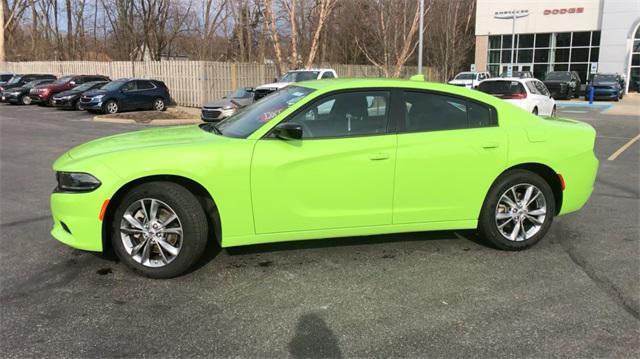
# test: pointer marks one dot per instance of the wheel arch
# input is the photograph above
(200, 192)
(547, 173)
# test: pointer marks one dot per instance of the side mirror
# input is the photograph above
(72, 83)
(248, 89)
(288, 131)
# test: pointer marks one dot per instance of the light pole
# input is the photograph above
(511, 16)
(420, 38)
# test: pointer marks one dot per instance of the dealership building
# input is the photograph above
(585, 36)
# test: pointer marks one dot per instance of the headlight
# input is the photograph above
(228, 107)
(14, 93)
(99, 97)
(76, 182)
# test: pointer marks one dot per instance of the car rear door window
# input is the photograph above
(532, 88)
(130, 86)
(345, 114)
(436, 112)
(328, 75)
(542, 88)
(144, 85)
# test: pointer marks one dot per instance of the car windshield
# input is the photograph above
(62, 80)
(32, 84)
(501, 88)
(240, 93)
(604, 78)
(114, 85)
(85, 87)
(558, 76)
(14, 80)
(297, 76)
(5, 77)
(246, 121)
(465, 76)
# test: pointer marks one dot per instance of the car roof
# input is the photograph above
(314, 69)
(519, 79)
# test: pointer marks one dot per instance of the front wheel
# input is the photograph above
(159, 105)
(517, 211)
(159, 229)
(26, 100)
(110, 107)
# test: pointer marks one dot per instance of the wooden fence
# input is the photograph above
(191, 82)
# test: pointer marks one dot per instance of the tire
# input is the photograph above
(25, 100)
(185, 248)
(110, 107)
(50, 101)
(554, 111)
(570, 94)
(494, 207)
(77, 105)
(535, 111)
(616, 99)
(159, 104)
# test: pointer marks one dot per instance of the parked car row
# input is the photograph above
(94, 93)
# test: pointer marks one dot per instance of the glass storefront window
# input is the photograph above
(636, 46)
(635, 60)
(581, 69)
(525, 56)
(494, 41)
(525, 41)
(561, 67)
(595, 51)
(562, 55)
(494, 56)
(494, 70)
(506, 56)
(595, 38)
(542, 55)
(581, 39)
(580, 55)
(540, 71)
(563, 39)
(543, 40)
(506, 42)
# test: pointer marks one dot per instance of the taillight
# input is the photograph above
(515, 96)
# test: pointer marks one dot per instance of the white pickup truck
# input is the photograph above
(293, 76)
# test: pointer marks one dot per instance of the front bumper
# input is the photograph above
(63, 103)
(93, 105)
(76, 216)
(7, 97)
(605, 94)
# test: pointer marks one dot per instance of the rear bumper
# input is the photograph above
(579, 174)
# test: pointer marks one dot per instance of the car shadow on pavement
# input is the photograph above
(314, 339)
(356, 241)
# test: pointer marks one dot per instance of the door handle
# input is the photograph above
(490, 145)
(378, 156)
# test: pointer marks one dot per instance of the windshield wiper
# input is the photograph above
(211, 127)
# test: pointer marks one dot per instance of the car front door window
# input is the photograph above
(345, 114)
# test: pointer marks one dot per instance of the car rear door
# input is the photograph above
(339, 175)
(450, 150)
(147, 92)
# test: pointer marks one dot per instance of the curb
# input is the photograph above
(99, 118)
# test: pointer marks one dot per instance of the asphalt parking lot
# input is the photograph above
(445, 294)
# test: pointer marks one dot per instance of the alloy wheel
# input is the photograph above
(112, 107)
(158, 105)
(26, 100)
(521, 212)
(151, 232)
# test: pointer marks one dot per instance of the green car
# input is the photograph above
(319, 159)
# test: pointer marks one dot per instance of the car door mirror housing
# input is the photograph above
(288, 131)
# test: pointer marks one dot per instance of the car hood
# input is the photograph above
(17, 89)
(157, 137)
(218, 103)
(275, 85)
(556, 81)
(67, 93)
(97, 92)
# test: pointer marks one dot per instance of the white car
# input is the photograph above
(469, 79)
(529, 93)
(294, 76)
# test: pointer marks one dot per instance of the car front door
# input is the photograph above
(450, 150)
(339, 175)
(130, 98)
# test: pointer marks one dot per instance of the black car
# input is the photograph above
(71, 98)
(563, 84)
(21, 80)
(5, 76)
(127, 94)
(20, 95)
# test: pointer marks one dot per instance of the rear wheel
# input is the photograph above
(535, 111)
(159, 105)
(25, 100)
(517, 211)
(159, 229)
(553, 111)
(110, 107)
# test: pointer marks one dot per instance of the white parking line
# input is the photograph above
(623, 148)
